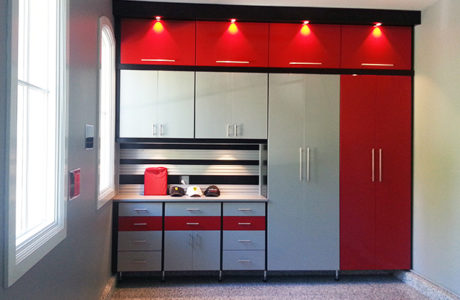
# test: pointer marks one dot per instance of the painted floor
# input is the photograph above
(381, 287)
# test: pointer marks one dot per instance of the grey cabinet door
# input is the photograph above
(175, 104)
(206, 250)
(231, 105)
(137, 103)
(303, 172)
(178, 250)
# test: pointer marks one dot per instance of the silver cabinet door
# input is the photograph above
(303, 230)
(175, 104)
(206, 250)
(231, 105)
(178, 250)
(137, 103)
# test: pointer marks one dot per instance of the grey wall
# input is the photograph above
(79, 267)
(437, 146)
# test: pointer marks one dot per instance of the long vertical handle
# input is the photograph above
(161, 129)
(380, 164)
(308, 164)
(300, 163)
(373, 164)
(154, 130)
(235, 129)
(228, 129)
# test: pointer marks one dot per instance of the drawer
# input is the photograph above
(140, 223)
(244, 209)
(140, 209)
(139, 240)
(244, 240)
(139, 261)
(192, 223)
(244, 223)
(192, 209)
(243, 260)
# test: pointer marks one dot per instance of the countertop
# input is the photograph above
(166, 198)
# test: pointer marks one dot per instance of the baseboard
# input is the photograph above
(109, 288)
(425, 286)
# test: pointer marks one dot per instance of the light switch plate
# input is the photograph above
(89, 137)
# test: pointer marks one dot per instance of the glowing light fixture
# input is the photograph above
(305, 30)
(233, 29)
(377, 32)
(306, 22)
(158, 18)
(232, 21)
(377, 24)
(158, 26)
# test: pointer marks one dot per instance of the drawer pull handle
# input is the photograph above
(140, 261)
(244, 241)
(244, 223)
(193, 209)
(141, 209)
(193, 224)
(244, 209)
(377, 65)
(304, 63)
(232, 61)
(244, 260)
(140, 224)
(139, 241)
(158, 59)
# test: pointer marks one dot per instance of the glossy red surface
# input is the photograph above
(139, 223)
(154, 42)
(192, 223)
(304, 46)
(244, 223)
(383, 47)
(239, 44)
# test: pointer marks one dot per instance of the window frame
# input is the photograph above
(20, 259)
(106, 196)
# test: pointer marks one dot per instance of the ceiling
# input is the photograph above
(372, 4)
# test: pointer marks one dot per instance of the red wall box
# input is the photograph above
(375, 172)
(140, 223)
(304, 46)
(152, 42)
(192, 223)
(239, 44)
(383, 47)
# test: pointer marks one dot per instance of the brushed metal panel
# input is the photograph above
(205, 154)
(243, 170)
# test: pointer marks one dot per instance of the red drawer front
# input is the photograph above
(192, 223)
(244, 223)
(369, 47)
(225, 44)
(139, 223)
(152, 42)
(304, 46)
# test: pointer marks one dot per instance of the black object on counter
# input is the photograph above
(212, 191)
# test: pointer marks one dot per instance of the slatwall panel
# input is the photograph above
(233, 168)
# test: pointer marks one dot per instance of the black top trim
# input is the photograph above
(214, 12)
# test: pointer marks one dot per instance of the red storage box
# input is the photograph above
(155, 181)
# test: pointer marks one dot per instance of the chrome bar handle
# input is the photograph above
(244, 209)
(193, 224)
(244, 224)
(308, 164)
(235, 129)
(380, 164)
(244, 260)
(300, 163)
(228, 129)
(140, 224)
(244, 241)
(162, 130)
(373, 165)
(154, 130)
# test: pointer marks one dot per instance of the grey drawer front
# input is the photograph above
(244, 240)
(244, 209)
(140, 209)
(139, 240)
(244, 260)
(192, 209)
(139, 261)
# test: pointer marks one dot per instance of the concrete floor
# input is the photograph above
(351, 287)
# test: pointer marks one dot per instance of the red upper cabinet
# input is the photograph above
(383, 47)
(153, 42)
(238, 44)
(304, 46)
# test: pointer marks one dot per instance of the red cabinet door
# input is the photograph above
(393, 187)
(304, 46)
(239, 44)
(383, 47)
(357, 206)
(152, 42)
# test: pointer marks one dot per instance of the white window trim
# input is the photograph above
(107, 195)
(20, 260)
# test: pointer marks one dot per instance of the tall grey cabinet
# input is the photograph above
(303, 172)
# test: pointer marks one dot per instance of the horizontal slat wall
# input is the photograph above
(234, 168)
